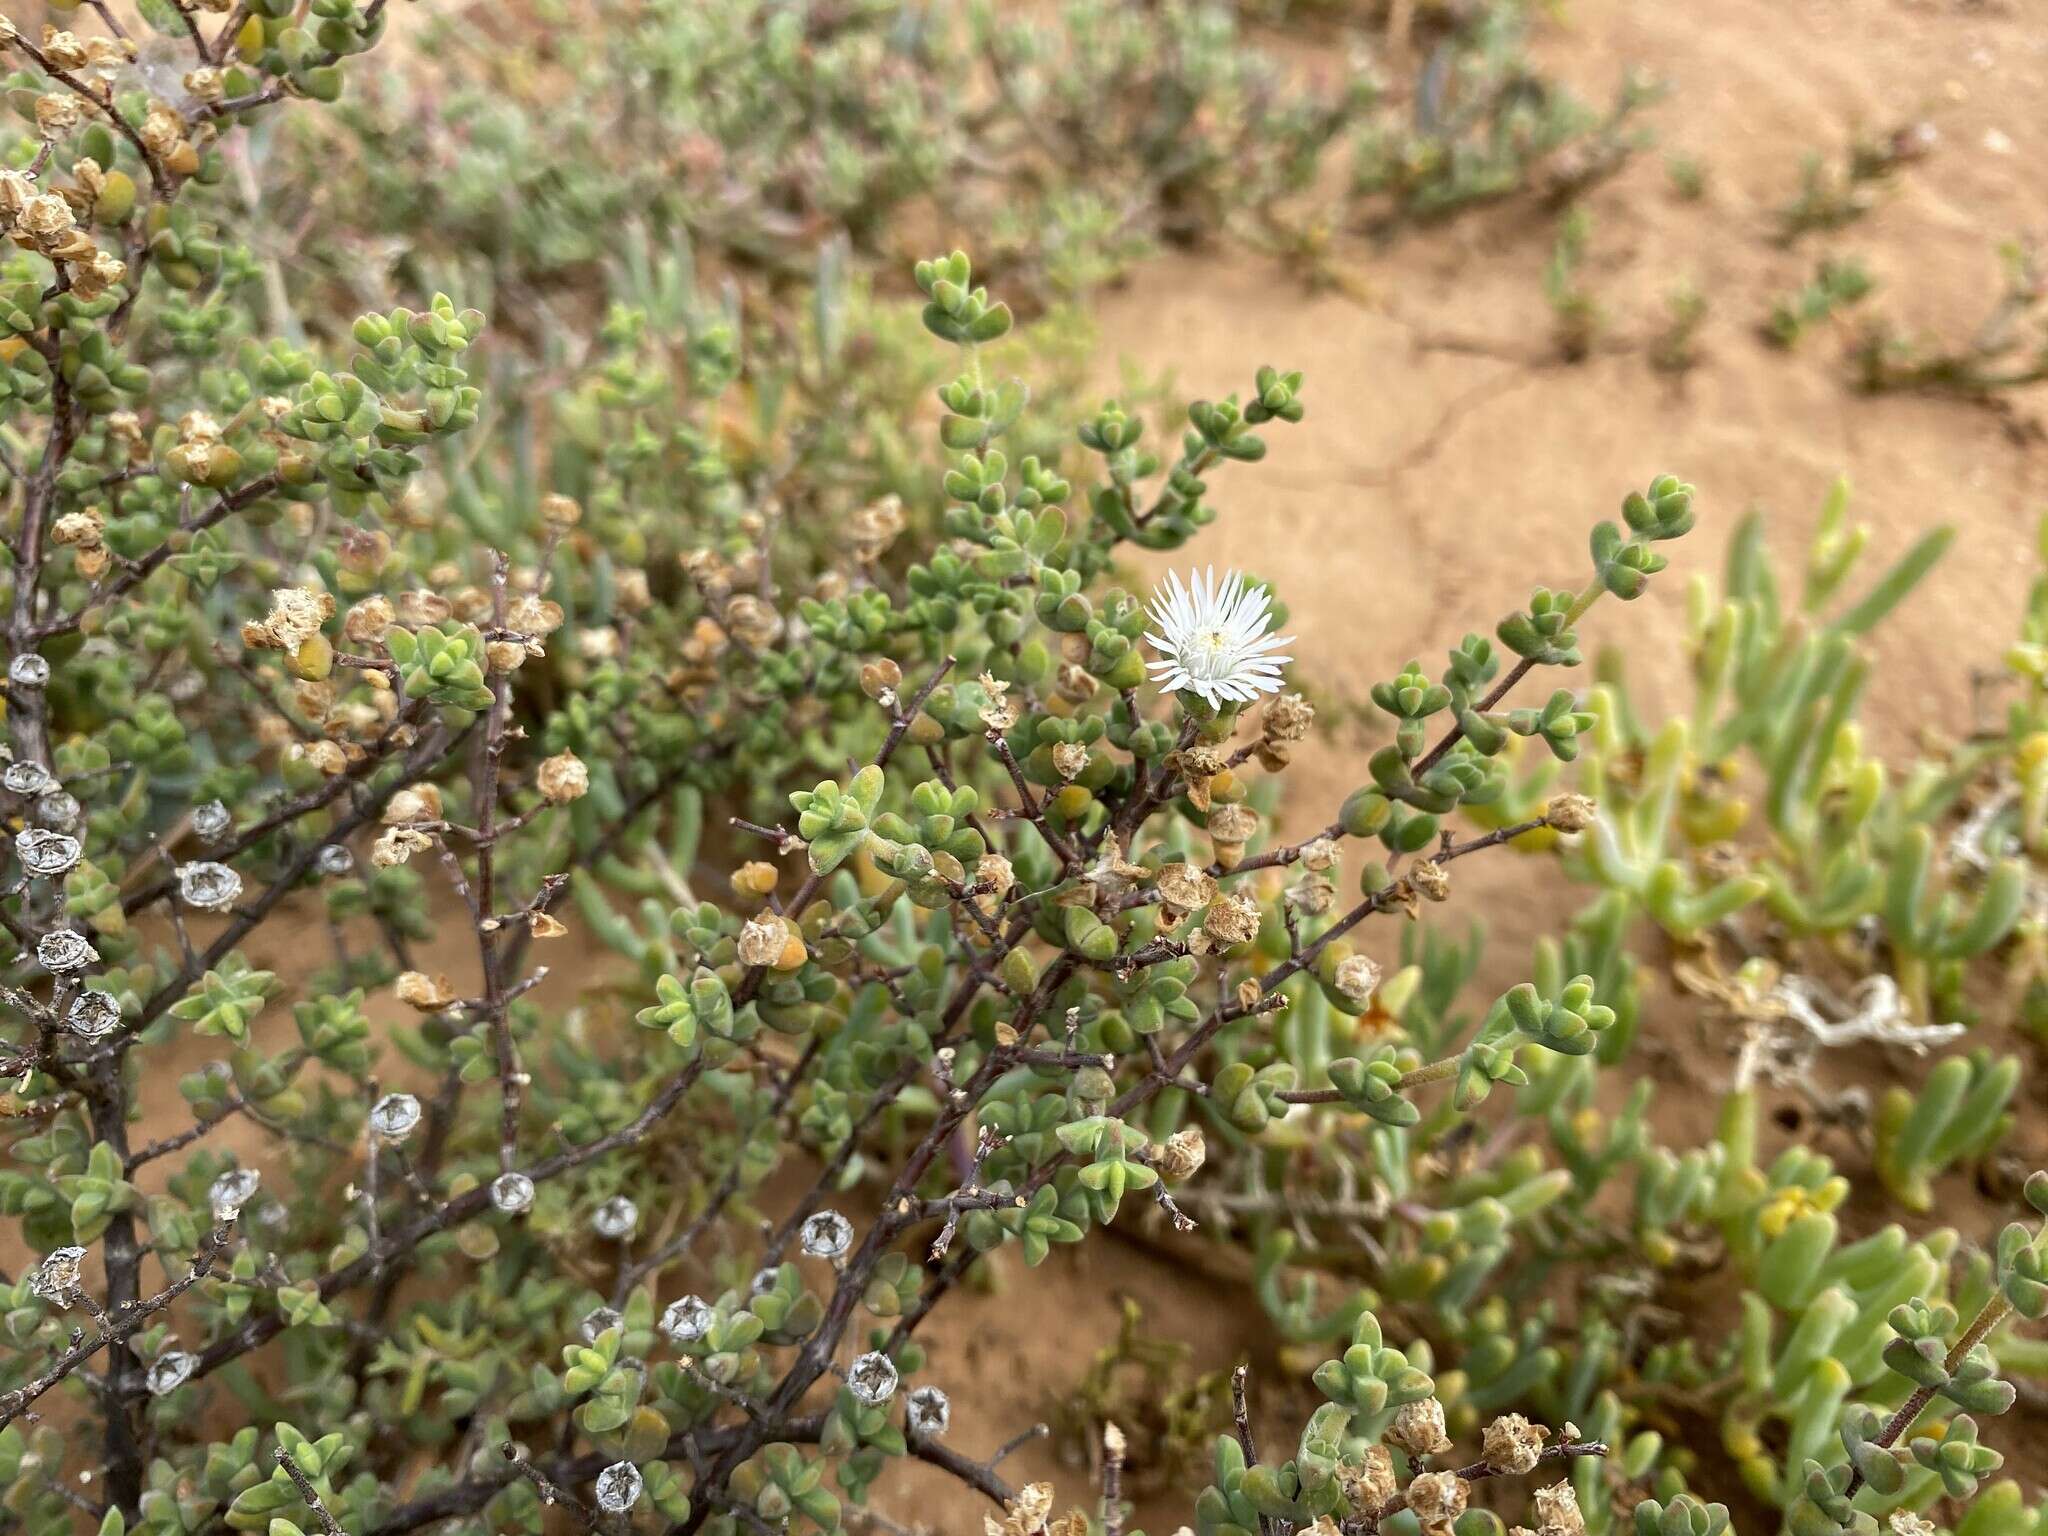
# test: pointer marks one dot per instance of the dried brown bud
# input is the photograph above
(560, 511)
(1068, 759)
(1319, 854)
(545, 925)
(562, 778)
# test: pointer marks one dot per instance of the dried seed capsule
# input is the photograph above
(208, 886)
(64, 950)
(618, 1487)
(93, 1015)
(395, 1116)
(25, 777)
(28, 670)
(928, 1412)
(598, 1320)
(46, 853)
(56, 1278)
(872, 1378)
(617, 1218)
(512, 1193)
(211, 821)
(233, 1190)
(169, 1372)
(825, 1235)
(687, 1320)
(334, 859)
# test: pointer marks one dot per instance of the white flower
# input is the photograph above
(1212, 638)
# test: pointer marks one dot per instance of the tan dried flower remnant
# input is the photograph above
(1357, 979)
(427, 994)
(1418, 1428)
(398, 846)
(1437, 1498)
(1181, 1155)
(1184, 887)
(1001, 711)
(1231, 920)
(1369, 1481)
(414, 803)
(1571, 813)
(562, 778)
(1024, 1515)
(296, 615)
(1512, 1444)
(1431, 879)
(1557, 1511)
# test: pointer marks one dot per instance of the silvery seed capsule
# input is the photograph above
(617, 1218)
(26, 777)
(57, 1276)
(233, 1190)
(47, 853)
(93, 1015)
(872, 1378)
(209, 887)
(395, 1116)
(169, 1372)
(212, 821)
(929, 1411)
(618, 1487)
(28, 670)
(687, 1320)
(64, 949)
(512, 1193)
(596, 1321)
(826, 1235)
